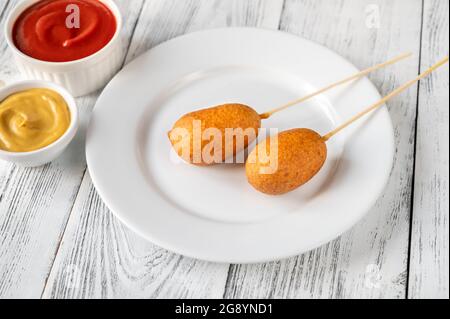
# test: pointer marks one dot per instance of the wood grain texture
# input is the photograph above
(369, 261)
(8, 71)
(164, 20)
(45, 213)
(35, 203)
(99, 257)
(429, 265)
(3, 6)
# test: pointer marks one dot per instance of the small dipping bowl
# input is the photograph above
(79, 77)
(50, 152)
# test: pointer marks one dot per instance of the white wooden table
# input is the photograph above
(58, 239)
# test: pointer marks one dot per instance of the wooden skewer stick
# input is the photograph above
(385, 99)
(350, 78)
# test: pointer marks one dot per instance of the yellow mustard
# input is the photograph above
(32, 119)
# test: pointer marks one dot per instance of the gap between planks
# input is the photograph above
(275, 23)
(2, 12)
(85, 169)
(390, 208)
(411, 214)
(230, 267)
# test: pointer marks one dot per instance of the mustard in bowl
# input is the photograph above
(37, 121)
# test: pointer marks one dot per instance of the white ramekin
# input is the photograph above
(81, 76)
(52, 151)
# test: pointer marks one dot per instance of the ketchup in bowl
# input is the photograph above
(42, 30)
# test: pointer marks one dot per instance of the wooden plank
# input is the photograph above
(3, 6)
(35, 203)
(429, 263)
(370, 261)
(100, 257)
(8, 71)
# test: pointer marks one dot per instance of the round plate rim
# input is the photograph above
(229, 259)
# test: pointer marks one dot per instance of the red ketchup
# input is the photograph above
(48, 31)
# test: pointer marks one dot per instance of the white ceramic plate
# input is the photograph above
(211, 213)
